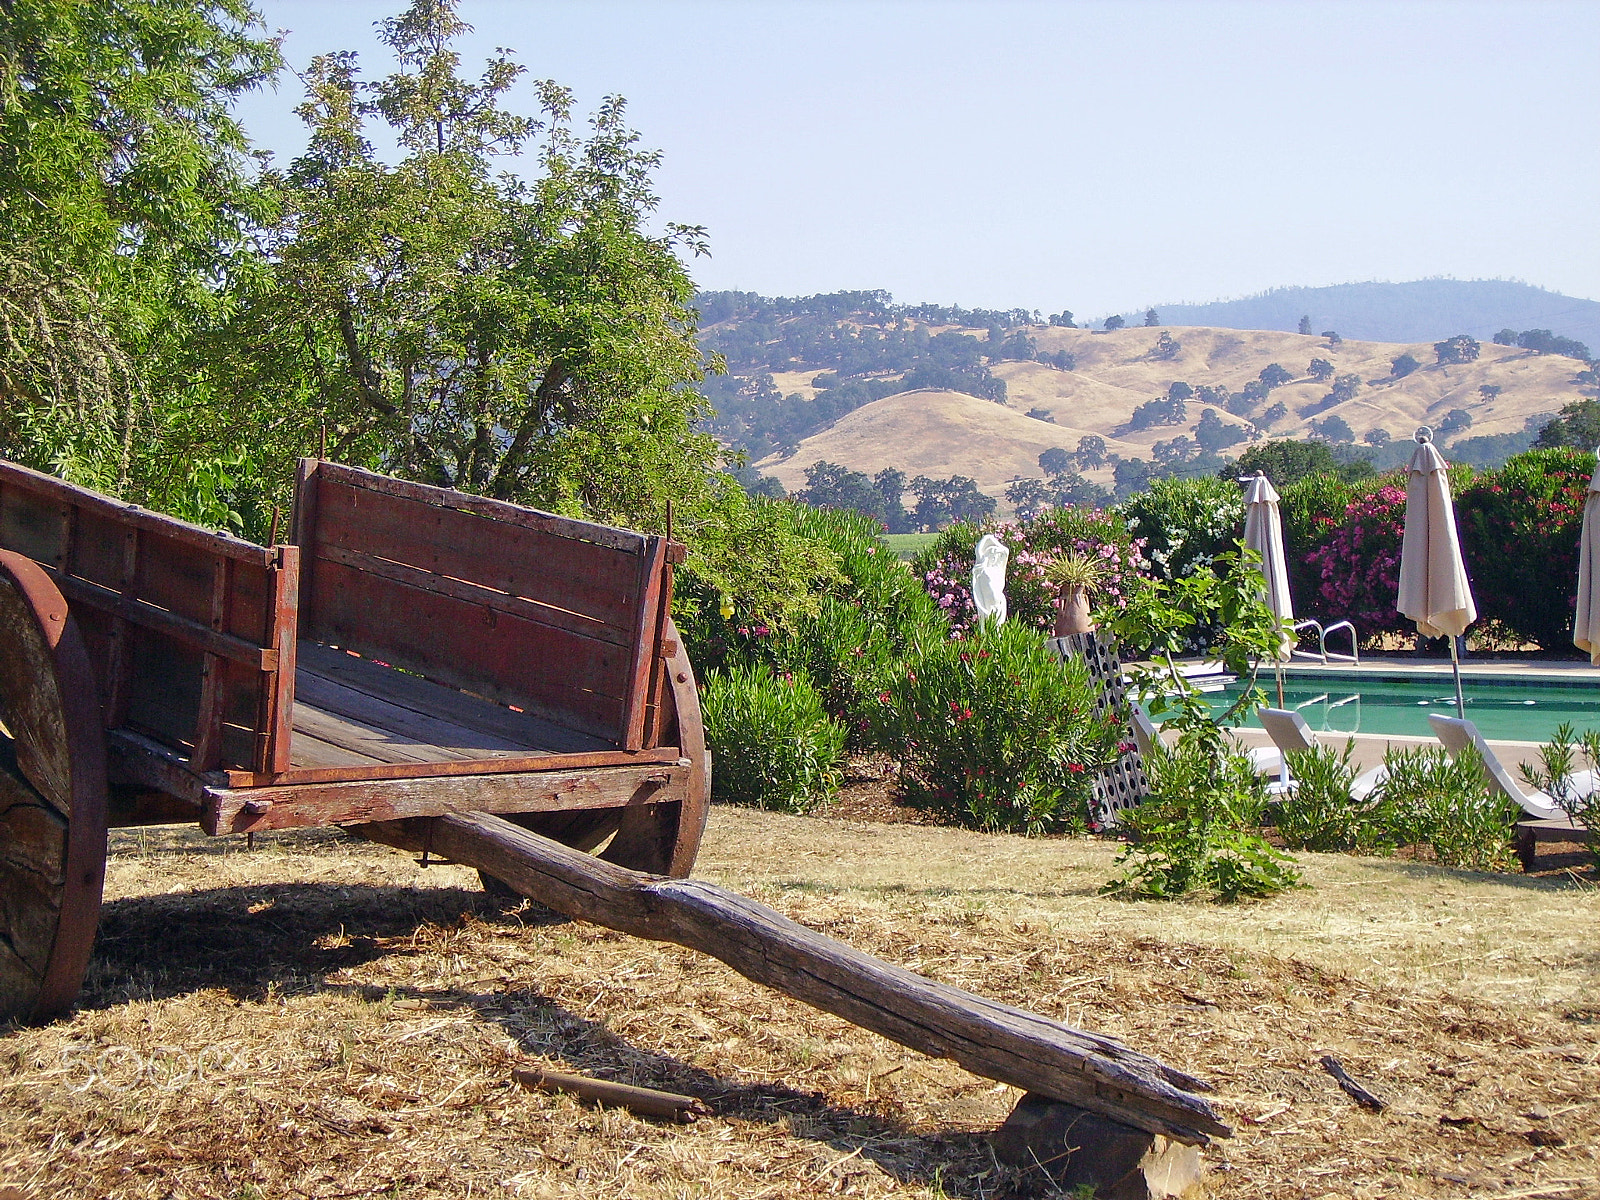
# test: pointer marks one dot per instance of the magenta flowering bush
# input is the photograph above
(1357, 562)
(945, 568)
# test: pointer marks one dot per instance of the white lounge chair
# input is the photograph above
(1289, 731)
(1458, 734)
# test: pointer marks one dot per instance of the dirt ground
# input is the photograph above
(321, 1017)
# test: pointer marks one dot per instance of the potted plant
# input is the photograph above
(1076, 577)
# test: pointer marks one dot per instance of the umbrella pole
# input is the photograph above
(1455, 669)
(1279, 673)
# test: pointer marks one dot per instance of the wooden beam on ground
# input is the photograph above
(987, 1038)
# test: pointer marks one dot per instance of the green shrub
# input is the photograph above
(1429, 799)
(1194, 833)
(1519, 535)
(1185, 523)
(993, 731)
(1319, 813)
(772, 744)
(1552, 776)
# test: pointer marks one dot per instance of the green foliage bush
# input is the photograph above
(1185, 523)
(1429, 799)
(994, 732)
(1553, 777)
(772, 743)
(1318, 814)
(1194, 835)
(1519, 533)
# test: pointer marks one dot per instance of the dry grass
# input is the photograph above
(322, 1018)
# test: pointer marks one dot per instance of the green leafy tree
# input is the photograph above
(1091, 450)
(526, 340)
(1151, 319)
(1506, 337)
(1062, 320)
(1455, 421)
(1114, 322)
(1212, 433)
(1029, 497)
(1462, 348)
(1274, 375)
(1377, 437)
(1284, 462)
(1489, 391)
(1179, 390)
(1320, 369)
(1403, 365)
(1578, 426)
(1055, 460)
(1305, 325)
(1273, 415)
(125, 213)
(1334, 428)
(942, 502)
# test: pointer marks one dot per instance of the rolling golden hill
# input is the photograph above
(940, 433)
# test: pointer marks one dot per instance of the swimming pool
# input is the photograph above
(1522, 710)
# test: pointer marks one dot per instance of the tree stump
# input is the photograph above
(1071, 1148)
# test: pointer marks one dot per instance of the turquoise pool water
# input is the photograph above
(1511, 710)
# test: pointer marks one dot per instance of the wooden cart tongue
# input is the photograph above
(1043, 1057)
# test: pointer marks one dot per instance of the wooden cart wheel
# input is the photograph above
(52, 797)
(663, 839)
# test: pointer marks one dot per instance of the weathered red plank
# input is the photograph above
(499, 510)
(458, 768)
(646, 633)
(124, 514)
(444, 585)
(240, 810)
(597, 581)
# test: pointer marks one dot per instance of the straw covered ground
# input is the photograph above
(322, 1018)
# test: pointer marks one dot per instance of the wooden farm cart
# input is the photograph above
(498, 686)
(416, 651)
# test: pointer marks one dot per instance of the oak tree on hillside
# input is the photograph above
(1320, 369)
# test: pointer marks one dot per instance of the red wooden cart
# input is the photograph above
(414, 652)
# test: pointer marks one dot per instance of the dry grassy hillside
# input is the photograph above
(945, 433)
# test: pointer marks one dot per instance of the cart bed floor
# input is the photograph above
(351, 711)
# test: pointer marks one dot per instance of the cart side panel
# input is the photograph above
(541, 612)
(177, 620)
(595, 582)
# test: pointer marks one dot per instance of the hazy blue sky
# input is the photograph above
(1093, 156)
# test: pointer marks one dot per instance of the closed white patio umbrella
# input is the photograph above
(1263, 533)
(1586, 621)
(1434, 591)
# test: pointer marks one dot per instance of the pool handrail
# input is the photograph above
(1355, 643)
(1323, 654)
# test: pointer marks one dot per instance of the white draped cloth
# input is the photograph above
(1434, 591)
(1263, 533)
(989, 577)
